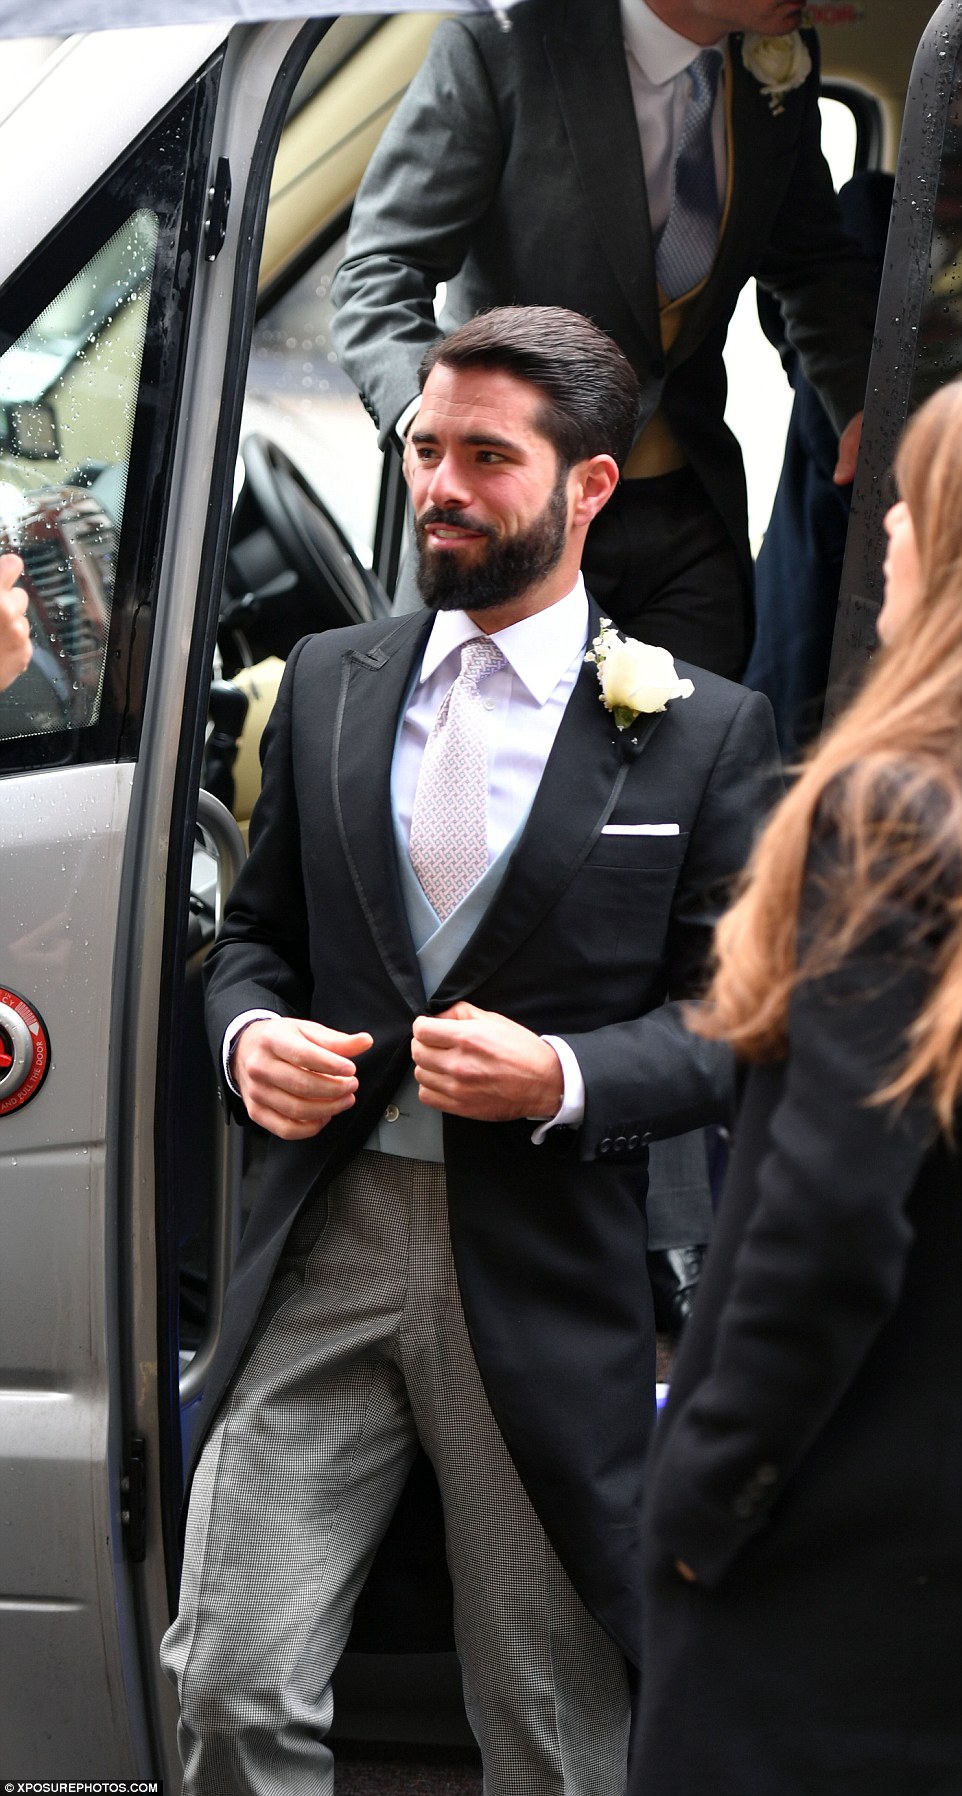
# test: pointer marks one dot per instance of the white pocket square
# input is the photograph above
(640, 829)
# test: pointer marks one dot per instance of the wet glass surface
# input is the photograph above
(68, 394)
(939, 355)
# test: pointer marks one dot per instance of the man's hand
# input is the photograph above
(471, 1062)
(294, 1075)
(848, 444)
(15, 645)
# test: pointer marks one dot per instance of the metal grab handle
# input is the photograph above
(227, 846)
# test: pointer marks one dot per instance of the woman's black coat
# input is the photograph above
(809, 1463)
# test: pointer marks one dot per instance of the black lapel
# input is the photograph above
(594, 92)
(583, 776)
(373, 688)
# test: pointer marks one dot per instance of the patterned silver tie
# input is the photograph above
(449, 823)
(687, 245)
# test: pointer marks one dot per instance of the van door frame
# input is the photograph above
(261, 69)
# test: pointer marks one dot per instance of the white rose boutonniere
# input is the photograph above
(778, 63)
(635, 677)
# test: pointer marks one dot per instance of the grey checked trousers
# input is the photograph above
(360, 1352)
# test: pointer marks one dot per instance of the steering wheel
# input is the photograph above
(291, 569)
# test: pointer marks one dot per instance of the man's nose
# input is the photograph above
(448, 485)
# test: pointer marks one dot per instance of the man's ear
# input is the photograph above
(591, 484)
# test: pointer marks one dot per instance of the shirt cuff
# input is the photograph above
(572, 1112)
(230, 1037)
(406, 419)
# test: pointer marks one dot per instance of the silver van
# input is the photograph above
(172, 206)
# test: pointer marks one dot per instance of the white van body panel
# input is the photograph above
(83, 875)
(61, 842)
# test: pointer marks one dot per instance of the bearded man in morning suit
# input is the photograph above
(440, 986)
(535, 167)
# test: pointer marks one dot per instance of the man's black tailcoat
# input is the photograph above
(586, 937)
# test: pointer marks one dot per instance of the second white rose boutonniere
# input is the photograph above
(778, 63)
(635, 677)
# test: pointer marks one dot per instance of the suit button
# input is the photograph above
(766, 1476)
(621, 1142)
(392, 1113)
(604, 1147)
(646, 1137)
(633, 1142)
(743, 1506)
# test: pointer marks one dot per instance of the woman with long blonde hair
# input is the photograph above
(803, 1525)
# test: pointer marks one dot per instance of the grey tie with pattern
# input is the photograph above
(687, 245)
(449, 822)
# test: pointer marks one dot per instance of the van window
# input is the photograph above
(68, 390)
(754, 366)
(298, 396)
(90, 338)
(840, 138)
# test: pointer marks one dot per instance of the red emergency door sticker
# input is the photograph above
(22, 1036)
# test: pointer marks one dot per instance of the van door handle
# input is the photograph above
(226, 845)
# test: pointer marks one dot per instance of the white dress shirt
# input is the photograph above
(526, 701)
(658, 61)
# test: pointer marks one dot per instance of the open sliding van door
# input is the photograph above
(128, 263)
(918, 337)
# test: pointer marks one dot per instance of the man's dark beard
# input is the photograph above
(506, 569)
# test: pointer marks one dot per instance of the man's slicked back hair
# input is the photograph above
(589, 389)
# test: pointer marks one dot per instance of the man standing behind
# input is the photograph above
(637, 162)
(440, 986)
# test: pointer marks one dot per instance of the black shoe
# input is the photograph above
(674, 1273)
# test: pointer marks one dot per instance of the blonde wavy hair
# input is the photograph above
(886, 782)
